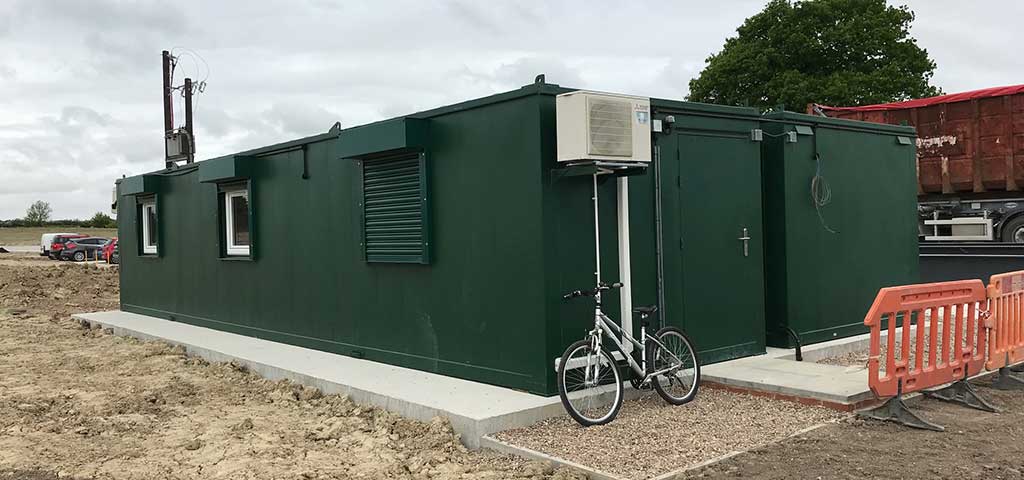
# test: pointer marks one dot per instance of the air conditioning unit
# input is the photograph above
(603, 127)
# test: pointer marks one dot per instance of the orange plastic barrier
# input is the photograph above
(1006, 332)
(928, 306)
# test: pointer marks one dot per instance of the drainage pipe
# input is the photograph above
(659, 244)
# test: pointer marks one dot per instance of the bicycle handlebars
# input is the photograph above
(590, 293)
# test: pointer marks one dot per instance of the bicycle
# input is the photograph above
(587, 373)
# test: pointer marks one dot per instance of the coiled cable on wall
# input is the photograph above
(821, 193)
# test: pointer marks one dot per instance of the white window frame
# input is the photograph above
(149, 245)
(229, 222)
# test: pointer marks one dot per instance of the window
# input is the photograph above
(236, 222)
(149, 230)
(395, 214)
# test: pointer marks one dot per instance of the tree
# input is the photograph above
(101, 220)
(834, 52)
(38, 213)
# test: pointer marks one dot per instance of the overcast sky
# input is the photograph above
(80, 97)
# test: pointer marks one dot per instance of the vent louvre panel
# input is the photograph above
(394, 209)
(611, 127)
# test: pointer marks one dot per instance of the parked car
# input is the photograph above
(47, 239)
(82, 249)
(115, 255)
(107, 248)
(58, 243)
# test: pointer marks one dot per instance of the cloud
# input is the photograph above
(299, 120)
(522, 72)
(82, 104)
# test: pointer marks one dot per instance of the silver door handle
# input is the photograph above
(746, 242)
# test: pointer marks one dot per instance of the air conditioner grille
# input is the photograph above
(611, 127)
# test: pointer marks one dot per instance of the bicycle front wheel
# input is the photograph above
(589, 384)
(678, 385)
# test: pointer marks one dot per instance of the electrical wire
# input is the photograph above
(193, 55)
(821, 193)
(197, 87)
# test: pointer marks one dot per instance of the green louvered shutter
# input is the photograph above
(395, 220)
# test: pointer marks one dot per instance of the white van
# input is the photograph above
(47, 240)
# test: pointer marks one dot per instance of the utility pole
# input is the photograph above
(168, 106)
(188, 121)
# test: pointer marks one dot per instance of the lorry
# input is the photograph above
(970, 161)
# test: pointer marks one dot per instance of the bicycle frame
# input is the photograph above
(604, 325)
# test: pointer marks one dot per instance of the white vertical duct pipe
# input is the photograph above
(626, 292)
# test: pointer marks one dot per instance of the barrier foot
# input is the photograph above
(1007, 381)
(1017, 368)
(895, 410)
(962, 392)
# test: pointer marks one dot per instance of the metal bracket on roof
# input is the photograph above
(803, 129)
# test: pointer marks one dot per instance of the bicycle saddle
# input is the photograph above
(645, 311)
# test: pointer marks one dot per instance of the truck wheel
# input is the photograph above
(1013, 231)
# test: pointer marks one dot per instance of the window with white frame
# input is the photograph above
(149, 227)
(236, 222)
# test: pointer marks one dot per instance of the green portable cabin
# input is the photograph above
(840, 221)
(444, 240)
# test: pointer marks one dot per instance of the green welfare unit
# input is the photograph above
(828, 251)
(444, 240)
(710, 198)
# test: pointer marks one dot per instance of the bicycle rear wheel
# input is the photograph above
(589, 384)
(680, 383)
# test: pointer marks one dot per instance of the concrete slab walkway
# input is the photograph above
(779, 375)
(840, 388)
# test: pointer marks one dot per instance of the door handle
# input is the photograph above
(746, 242)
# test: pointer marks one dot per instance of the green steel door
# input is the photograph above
(718, 282)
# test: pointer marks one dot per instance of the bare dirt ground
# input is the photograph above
(975, 445)
(78, 403)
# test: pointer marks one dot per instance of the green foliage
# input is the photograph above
(42, 210)
(38, 213)
(834, 52)
(100, 220)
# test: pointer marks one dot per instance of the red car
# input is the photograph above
(58, 244)
(108, 249)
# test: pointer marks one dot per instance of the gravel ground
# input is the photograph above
(859, 358)
(650, 437)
